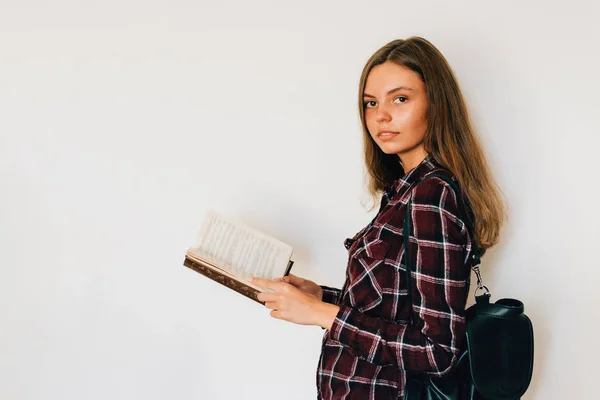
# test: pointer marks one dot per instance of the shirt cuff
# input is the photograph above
(330, 295)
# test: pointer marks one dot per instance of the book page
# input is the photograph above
(241, 250)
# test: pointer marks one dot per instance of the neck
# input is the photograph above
(412, 159)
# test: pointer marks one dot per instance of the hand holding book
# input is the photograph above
(292, 304)
(230, 253)
(305, 285)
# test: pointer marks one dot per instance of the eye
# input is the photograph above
(370, 102)
(402, 99)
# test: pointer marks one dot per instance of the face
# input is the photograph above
(395, 102)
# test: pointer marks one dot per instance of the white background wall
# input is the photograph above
(122, 121)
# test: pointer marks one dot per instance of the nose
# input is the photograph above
(383, 115)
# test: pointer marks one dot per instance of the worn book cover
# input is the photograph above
(230, 253)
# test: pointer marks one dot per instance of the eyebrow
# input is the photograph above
(392, 91)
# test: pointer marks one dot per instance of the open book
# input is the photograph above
(230, 253)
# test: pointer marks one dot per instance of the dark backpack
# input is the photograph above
(498, 361)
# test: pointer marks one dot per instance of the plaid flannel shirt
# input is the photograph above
(370, 346)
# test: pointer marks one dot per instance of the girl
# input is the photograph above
(415, 124)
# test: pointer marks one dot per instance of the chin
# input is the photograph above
(390, 148)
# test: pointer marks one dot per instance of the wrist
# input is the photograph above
(326, 314)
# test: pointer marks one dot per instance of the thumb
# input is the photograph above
(294, 280)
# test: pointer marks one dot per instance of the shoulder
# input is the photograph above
(436, 210)
(436, 191)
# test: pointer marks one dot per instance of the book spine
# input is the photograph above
(224, 280)
(289, 267)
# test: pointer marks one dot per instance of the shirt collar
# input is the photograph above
(414, 175)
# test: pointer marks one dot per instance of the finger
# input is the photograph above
(268, 284)
(267, 296)
(295, 280)
(276, 314)
(272, 305)
(291, 281)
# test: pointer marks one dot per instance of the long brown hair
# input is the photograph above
(450, 137)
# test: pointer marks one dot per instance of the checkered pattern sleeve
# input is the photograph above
(330, 295)
(439, 245)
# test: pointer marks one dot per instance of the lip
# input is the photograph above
(386, 135)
